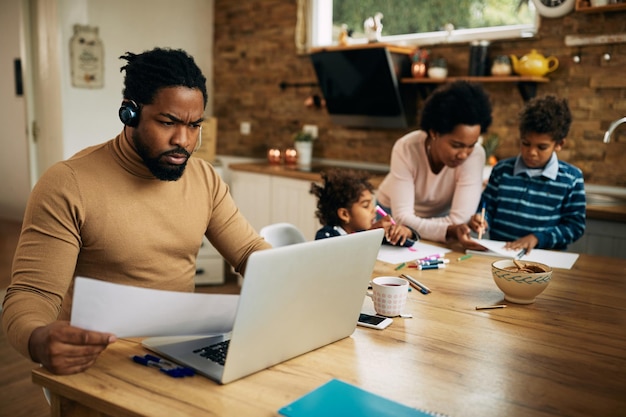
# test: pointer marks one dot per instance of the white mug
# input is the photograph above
(389, 295)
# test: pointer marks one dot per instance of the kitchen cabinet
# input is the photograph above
(266, 199)
(605, 238)
(252, 193)
(209, 265)
(293, 203)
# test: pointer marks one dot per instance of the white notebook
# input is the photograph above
(555, 259)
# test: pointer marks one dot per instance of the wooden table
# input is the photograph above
(563, 355)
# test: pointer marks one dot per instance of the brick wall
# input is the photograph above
(255, 52)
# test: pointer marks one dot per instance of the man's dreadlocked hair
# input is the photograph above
(148, 72)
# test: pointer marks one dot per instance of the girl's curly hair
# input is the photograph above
(341, 189)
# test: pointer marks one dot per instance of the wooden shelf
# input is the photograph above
(527, 85)
(488, 79)
(583, 6)
(392, 48)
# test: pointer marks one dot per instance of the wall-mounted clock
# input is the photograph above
(554, 8)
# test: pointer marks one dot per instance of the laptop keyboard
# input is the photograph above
(215, 352)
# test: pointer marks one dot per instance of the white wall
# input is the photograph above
(14, 178)
(89, 116)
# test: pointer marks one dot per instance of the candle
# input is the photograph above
(291, 156)
(274, 156)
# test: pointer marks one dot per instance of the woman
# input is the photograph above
(435, 181)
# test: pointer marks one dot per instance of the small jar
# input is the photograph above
(501, 66)
(438, 69)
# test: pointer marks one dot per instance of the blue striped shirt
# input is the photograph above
(552, 205)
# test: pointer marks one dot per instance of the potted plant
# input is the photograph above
(490, 143)
(303, 142)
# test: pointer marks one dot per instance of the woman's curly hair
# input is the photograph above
(341, 189)
(457, 103)
(548, 114)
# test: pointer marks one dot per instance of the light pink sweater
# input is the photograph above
(428, 202)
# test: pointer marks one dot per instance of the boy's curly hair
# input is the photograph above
(548, 114)
(341, 188)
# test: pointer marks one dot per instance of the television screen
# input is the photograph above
(361, 87)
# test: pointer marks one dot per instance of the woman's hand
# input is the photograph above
(461, 232)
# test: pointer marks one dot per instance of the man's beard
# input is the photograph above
(162, 171)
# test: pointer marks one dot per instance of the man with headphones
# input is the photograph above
(132, 211)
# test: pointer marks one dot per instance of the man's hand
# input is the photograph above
(63, 349)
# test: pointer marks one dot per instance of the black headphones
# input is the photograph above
(129, 113)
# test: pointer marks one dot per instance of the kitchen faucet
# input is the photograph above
(612, 127)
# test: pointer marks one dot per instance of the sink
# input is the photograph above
(601, 199)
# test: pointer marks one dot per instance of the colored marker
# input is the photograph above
(433, 261)
(383, 213)
(424, 267)
(430, 257)
(402, 265)
(464, 257)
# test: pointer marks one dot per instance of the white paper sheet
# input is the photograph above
(398, 254)
(128, 311)
(555, 259)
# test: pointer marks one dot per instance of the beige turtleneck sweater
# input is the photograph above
(101, 214)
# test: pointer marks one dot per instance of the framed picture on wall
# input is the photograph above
(87, 58)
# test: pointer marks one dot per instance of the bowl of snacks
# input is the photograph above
(521, 281)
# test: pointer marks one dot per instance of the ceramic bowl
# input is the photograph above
(520, 287)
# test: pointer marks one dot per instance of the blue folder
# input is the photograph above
(340, 399)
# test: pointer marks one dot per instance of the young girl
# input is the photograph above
(346, 204)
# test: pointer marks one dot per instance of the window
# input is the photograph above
(424, 22)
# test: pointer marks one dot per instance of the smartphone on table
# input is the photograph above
(374, 322)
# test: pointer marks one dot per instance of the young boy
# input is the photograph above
(534, 200)
(346, 204)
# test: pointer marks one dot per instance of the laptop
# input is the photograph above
(294, 299)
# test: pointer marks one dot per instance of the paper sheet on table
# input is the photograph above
(397, 254)
(555, 259)
(128, 311)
